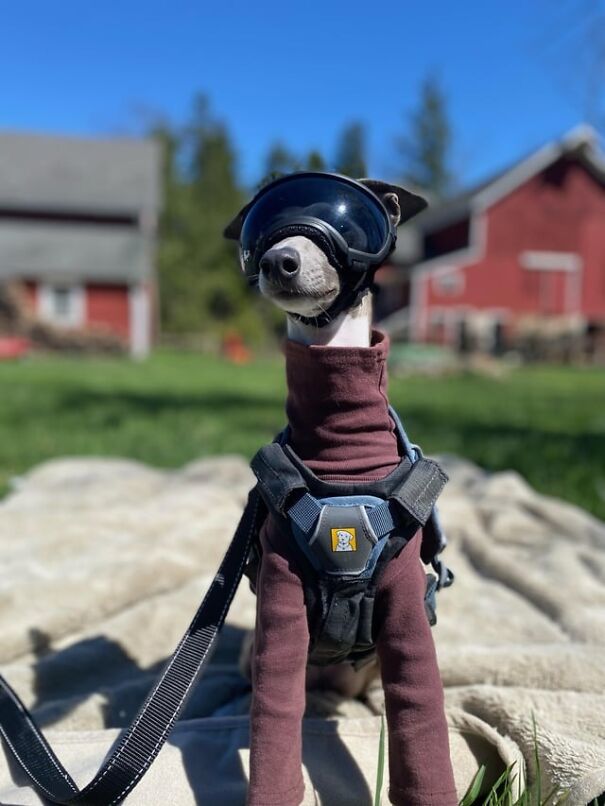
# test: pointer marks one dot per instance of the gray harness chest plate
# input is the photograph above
(343, 542)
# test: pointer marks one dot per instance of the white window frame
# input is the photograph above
(550, 261)
(449, 281)
(76, 314)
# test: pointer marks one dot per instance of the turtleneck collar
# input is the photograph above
(337, 409)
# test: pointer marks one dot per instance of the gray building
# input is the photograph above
(78, 221)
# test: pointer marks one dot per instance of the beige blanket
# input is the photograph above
(102, 563)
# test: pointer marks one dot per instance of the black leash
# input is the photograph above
(142, 741)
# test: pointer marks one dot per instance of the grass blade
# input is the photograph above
(380, 770)
(472, 793)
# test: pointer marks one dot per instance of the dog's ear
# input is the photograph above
(401, 204)
(234, 227)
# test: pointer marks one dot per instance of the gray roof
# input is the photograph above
(63, 253)
(68, 173)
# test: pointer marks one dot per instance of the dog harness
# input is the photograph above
(345, 533)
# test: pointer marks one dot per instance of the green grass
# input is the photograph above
(502, 791)
(548, 423)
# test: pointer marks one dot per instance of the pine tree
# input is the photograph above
(426, 148)
(280, 160)
(201, 290)
(315, 161)
(350, 152)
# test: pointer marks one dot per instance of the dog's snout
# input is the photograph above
(282, 262)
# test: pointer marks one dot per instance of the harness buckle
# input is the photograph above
(445, 576)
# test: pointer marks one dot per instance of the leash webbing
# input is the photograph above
(142, 741)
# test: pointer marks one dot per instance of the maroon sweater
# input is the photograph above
(337, 410)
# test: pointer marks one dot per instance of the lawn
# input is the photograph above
(547, 423)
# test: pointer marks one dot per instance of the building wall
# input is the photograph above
(108, 306)
(593, 251)
(559, 211)
(30, 289)
(123, 309)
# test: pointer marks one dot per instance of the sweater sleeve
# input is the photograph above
(278, 678)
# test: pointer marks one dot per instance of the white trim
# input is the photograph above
(517, 176)
(139, 314)
(573, 292)
(465, 310)
(421, 273)
(461, 258)
(46, 304)
(412, 305)
(577, 137)
(457, 258)
(418, 306)
(550, 261)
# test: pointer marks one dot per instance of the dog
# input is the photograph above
(328, 307)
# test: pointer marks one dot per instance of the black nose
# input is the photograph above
(281, 262)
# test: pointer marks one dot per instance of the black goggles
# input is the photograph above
(338, 213)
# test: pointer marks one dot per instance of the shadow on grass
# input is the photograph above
(238, 411)
(153, 402)
(560, 462)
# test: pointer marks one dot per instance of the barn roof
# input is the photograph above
(581, 142)
(78, 174)
(62, 253)
(62, 200)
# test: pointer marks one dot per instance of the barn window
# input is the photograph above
(550, 261)
(62, 304)
(450, 238)
(449, 282)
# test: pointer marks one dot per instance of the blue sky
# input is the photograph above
(516, 74)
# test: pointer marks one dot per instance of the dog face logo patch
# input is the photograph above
(344, 539)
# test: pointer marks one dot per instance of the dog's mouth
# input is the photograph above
(293, 299)
(280, 292)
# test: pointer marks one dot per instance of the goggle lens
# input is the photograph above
(356, 215)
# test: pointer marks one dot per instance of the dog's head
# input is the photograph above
(297, 275)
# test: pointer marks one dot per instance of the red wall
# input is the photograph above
(108, 305)
(560, 210)
(593, 288)
(31, 295)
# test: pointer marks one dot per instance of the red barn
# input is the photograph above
(527, 246)
(77, 229)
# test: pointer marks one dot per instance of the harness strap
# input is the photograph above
(420, 490)
(277, 476)
(414, 499)
(305, 512)
(416, 496)
(143, 740)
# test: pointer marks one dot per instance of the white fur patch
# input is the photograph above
(314, 288)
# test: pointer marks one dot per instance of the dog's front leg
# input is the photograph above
(278, 678)
(419, 754)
